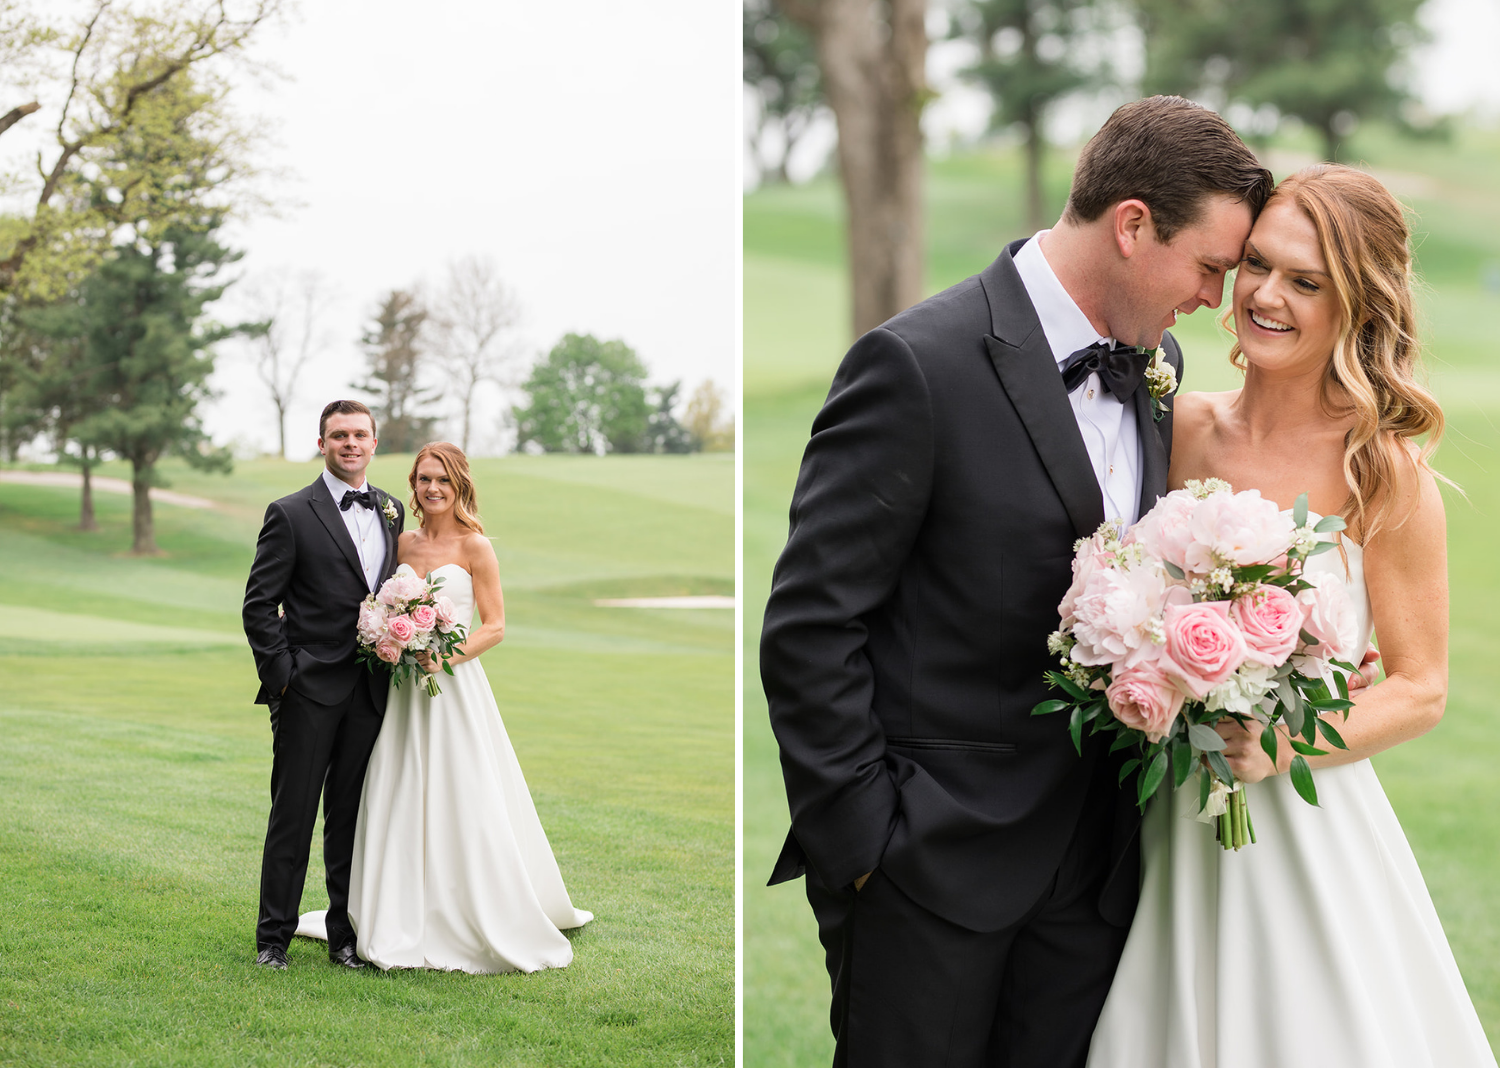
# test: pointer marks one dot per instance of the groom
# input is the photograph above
(321, 550)
(971, 875)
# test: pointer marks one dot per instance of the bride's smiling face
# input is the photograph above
(1286, 311)
(434, 491)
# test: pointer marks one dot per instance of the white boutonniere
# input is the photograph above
(389, 508)
(1161, 382)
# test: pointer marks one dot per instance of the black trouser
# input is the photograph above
(318, 749)
(911, 989)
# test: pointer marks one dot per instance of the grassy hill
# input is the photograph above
(135, 768)
(796, 329)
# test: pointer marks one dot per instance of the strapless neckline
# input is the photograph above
(436, 569)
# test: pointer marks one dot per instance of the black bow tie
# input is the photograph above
(364, 497)
(1120, 370)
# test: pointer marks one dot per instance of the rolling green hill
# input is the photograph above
(134, 769)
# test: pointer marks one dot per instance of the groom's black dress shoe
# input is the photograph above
(272, 957)
(346, 956)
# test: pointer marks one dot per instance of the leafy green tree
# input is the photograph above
(397, 359)
(1330, 63)
(1028, 60)
(147, 353)
(586, 396)
(781, 67)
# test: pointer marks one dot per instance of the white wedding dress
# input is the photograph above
(452, 869)
(1316, 947)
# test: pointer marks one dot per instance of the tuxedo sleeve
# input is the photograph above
(275, 557)
(860, 499)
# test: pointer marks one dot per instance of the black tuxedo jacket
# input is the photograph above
(904, 643)
(306, 563)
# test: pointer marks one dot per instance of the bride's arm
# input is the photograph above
(488, 598)
(1406, 570)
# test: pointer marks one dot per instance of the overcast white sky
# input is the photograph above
(588, 147)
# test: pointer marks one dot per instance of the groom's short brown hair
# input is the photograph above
(1170, 153)
(344, 407)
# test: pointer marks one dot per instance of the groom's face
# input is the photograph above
(347, 444)
(1180, 276)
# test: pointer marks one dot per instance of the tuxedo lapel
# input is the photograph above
(328, 514)
(1018, 348)
(1154, 458)
(389, 527)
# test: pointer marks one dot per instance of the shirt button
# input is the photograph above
(1090, 394)
(1111, 468)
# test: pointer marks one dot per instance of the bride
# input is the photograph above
(1319, 945)
(451, 868)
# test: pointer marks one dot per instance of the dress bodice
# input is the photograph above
(458, 587)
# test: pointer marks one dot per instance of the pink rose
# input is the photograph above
(1328, 615)
(1270, 619)
(424, 618)
(1114, 616)
(1204, 647)
(1241, 528)
(401, 628)
(445, 610)
(1090, 558)
(1144, 698)
(1166, 532)
(388, 650)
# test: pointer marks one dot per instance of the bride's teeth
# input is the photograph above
(1269, 324)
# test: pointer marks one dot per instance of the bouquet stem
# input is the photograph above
(430, 681)
(1235, 829)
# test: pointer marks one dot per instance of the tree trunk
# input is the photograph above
(142, 523)
(86, 520)
(281, 426)
(1036, 212)
(873, 54)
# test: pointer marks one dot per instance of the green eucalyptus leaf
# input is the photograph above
(1205, 786)
(1302, 779)
(1221, 768)
(1151, 778)
(1182, 763)
(1173, 570)
(1268, 742)
(1307, 750)
(1046, 708)
(1321, 547)
(1205, 737)
(1334, 738)
(1127, 767)
(1075, 728)
(1299, 511)
(1329, 523)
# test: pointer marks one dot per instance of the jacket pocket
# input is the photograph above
(950, 745)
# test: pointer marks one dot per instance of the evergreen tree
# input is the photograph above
(397, 357)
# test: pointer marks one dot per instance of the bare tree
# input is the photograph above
(873, 54)
(293, 313)
(708, 420)
(472, 319)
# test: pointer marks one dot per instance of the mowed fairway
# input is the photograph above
(134, 773)
(1444, 785)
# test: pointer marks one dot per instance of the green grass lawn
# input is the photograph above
(796, 329)
(135, 774)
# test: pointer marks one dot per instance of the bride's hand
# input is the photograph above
(1246, 758)
(428, 663)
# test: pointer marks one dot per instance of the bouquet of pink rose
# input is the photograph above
(1201, 612)
(407, 616)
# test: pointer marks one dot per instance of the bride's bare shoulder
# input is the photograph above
(1197, 412)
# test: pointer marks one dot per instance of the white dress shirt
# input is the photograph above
(366, 528)
(1108, 427)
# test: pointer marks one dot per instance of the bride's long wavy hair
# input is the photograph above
(1373, 373)
(456, 465)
